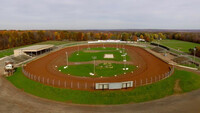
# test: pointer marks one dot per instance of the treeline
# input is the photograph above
(14, 38)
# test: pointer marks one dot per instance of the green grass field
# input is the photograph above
(101, 48)
(188, 82)
(103, 70)
(190, 65)
(178, 44)
(87, 56)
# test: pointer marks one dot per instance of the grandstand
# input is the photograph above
(159, 49)
(33, 50)
(19, 59)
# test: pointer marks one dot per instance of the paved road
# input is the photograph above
(13, 100)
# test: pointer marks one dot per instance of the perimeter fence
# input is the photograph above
(82, 85)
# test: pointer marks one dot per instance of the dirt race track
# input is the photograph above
(44, 69)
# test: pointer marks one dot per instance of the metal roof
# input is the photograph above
(36, 48)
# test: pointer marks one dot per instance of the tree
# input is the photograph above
(57, 35)
(25, 38)
(141, 36)
(147, 39)
(79, 36)
(125, 36)
(156, 36)
(161, 36)
(85, 38)
(62, 35)
(135, 38)
(97, 36)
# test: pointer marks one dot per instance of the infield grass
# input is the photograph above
(81, 56)
(105, 48)
(104, 70)
(188, 82)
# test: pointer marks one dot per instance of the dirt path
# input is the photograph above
(13, 100)
(177, 88)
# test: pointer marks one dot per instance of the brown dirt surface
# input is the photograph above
(95, 51)
(177, 88)
(149, 67)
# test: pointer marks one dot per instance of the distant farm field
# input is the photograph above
(178, 45)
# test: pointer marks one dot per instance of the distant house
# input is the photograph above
(140, 40)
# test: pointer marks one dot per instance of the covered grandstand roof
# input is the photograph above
(36, 48)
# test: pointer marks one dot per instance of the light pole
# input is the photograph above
(117, 46)
(88, 46)
(125, 63)
(194, 56)
(125, 59)
(78, 50)
(67, 58)
(123, 51)
(94, 57)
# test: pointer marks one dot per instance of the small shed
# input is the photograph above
(9, 68)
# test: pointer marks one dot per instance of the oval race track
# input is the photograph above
(151, 69)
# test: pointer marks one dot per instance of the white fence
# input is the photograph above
(97, 86)
(135, 83)
(108, 41)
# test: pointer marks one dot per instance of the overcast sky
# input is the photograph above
(99, 14)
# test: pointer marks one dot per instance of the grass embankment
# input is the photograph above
(104, 69)
(87, 56)
(179, 45)
(190, 65)
(187, 81)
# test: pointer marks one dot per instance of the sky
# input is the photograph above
(99, 14)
